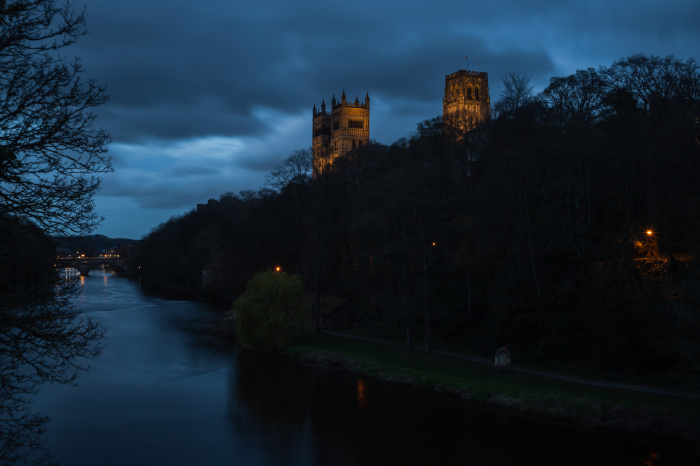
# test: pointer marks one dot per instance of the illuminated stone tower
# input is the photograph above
(467, 102)
(342, 129)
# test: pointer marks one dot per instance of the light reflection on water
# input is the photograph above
(165, 393)
(361, 395)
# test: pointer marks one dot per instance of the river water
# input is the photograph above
(164, 393)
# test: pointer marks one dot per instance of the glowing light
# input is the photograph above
(361, 396)
(277, 269)
(433, 244)
(649, 232)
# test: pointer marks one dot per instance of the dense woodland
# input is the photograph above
(567, 227)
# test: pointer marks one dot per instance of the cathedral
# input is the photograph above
(342, 129)
(465, 106)
(467, 103)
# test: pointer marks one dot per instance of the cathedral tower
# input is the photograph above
(467, 102)
(342, 129)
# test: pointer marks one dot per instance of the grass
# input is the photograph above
(657, 414)
(670, 381)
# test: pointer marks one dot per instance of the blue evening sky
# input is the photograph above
(208, 96)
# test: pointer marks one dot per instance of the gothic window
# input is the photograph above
(469, 93)
(356, 124)
(476, 93)
(336, 125)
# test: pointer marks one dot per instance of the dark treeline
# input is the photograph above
(567, 227)
(90, 245)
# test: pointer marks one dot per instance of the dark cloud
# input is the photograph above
(193, 170)
(183, 73)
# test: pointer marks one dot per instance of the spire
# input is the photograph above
(323, 105)
(343, 99)
(367, 100)
(333, 101)
(314, 109)
(357, 101)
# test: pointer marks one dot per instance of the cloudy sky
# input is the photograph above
(208, 96)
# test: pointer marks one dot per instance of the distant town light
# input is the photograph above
(649, 232)
(277, 269)
(433, 244)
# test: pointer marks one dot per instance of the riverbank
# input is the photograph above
(631, 411)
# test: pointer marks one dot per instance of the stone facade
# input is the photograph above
(467, 102)
(336, 132)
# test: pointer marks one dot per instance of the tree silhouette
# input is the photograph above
(50, 156)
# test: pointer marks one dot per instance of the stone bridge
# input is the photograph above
(85, 264)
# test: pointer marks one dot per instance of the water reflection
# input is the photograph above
(164, 392)
(361, 395)
(652, 459)
(267, 390)
(268, 407)
(318, 417)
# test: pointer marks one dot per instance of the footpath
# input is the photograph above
(522, 370)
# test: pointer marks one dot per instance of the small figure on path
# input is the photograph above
(502, 364)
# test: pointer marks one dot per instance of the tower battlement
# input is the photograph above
(480, 74)
(342, 129)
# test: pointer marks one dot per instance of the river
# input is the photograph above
(165, 393)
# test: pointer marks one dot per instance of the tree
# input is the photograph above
(516, 93)
(49, 150)
(575, 99)
(50, 156)
(292, 179)
(271, 313)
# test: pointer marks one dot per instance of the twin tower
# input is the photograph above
(466, 104)
(342, 129)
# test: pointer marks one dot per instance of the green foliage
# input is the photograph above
(271, 313)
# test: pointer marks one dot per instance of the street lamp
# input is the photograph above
(277, 269)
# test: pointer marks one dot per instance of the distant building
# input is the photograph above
(336, 132)
(122, 252)
(465, 106)
(203, 207)
(467, 102)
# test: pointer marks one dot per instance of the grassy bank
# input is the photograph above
(595, 406)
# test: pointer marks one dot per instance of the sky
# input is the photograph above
(208, 96)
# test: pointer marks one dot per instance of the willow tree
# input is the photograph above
(271, 313)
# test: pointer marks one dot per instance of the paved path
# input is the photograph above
(522, 370)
